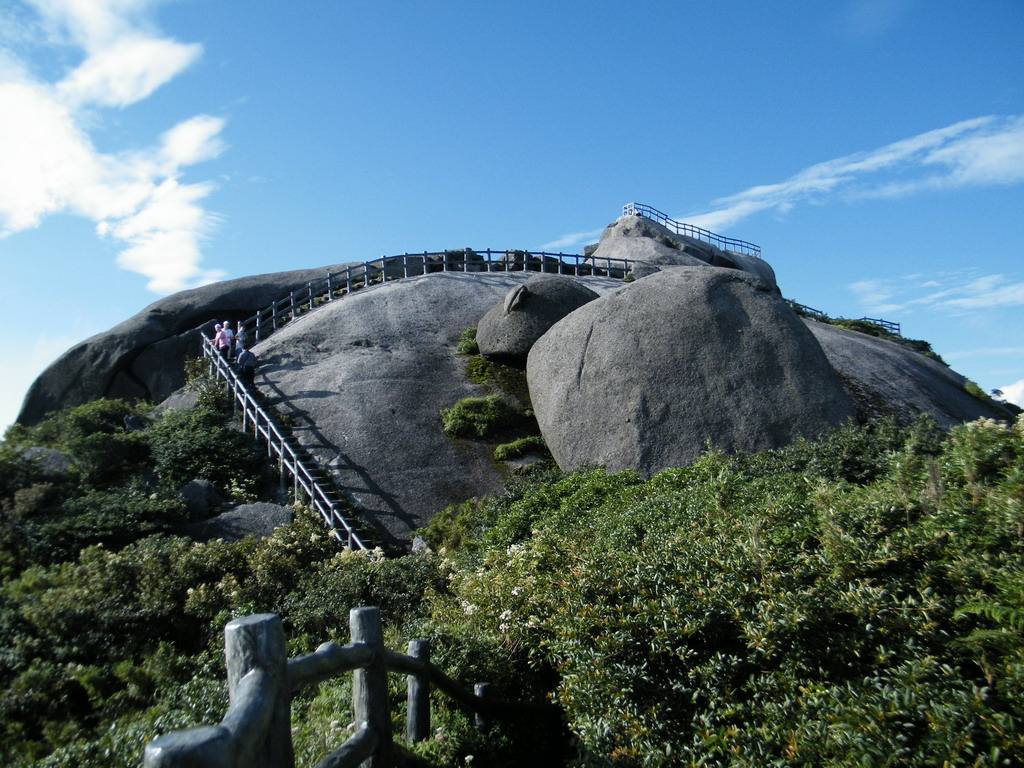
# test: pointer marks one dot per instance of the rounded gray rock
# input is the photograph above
(141, 358)
(511, 327)
(643, 378)
(886, 378)
(200, 497)
(363, 381)
(257, 519)
(654, 246)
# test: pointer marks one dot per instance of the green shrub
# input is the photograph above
(736, 612)
(467, 342)
(94, 434)
(521, 447)
(200, 444)
(480, 417)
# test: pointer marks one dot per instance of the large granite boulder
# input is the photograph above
(511, 327)
(363, 381)
(645, 377)
(142, 356)
(257, 519)
(888, 379)
(641, 240)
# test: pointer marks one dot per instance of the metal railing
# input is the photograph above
(388, 269)
(888, 325)
(256, 730)
(280, 443)
(699, 233)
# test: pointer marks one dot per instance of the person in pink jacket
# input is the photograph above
(220, 339)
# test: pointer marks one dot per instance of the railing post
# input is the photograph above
(481, 691)
(206, 747)
(309, 287)
(273, 316)
(291, 297)
(417, 718)
(330, 288)
(257, 642)
(348, 280)
(370, 686)
(257, 334)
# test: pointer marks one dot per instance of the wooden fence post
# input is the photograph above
(255, 642)
(417, 718)
(206, 747)
(370, 686)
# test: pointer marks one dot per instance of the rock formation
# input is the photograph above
(887, 379)
(511, 327)
(363, 382)
(645, 377)
(654, 246)
(142, 357)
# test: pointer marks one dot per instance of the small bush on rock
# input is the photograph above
(480, 417)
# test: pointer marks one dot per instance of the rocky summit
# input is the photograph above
(695, 347)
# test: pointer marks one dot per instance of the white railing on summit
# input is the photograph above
(280, 444)
(698, 233)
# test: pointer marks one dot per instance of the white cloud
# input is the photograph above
(126, 72)
(573, 239)
(1014, 393)
(192, 141)
(961, 290)
(977, 152)
(982, 151)
(51, 164)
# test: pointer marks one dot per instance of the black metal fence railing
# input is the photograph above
(387, 269)
(698, 233)
(888, 325)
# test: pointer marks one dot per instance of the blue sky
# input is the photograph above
(875, 150)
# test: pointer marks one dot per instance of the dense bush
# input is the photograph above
(857, 600)
(736, 613)
(481, 417)
(199, 444)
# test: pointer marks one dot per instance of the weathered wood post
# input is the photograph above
(481, 691)
(417, 718)
(206, 747)
(257, 643)
(258, 325)
(370, 685)
(330, 288)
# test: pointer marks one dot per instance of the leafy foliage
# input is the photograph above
(466, 344)
(520, 447)
(739, 612)
(481, 417)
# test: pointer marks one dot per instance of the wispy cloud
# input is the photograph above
(978, 352)
(982, 151)
(963, 290)
(50, 163)
(978, 152)
(573, 239)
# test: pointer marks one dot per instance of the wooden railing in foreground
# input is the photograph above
(256, 730)
(698, 233)
(306, 475)
(388, 269)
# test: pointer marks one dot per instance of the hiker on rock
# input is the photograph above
(247, 363)
(241, 340)
(229, 334)
(220, 339)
